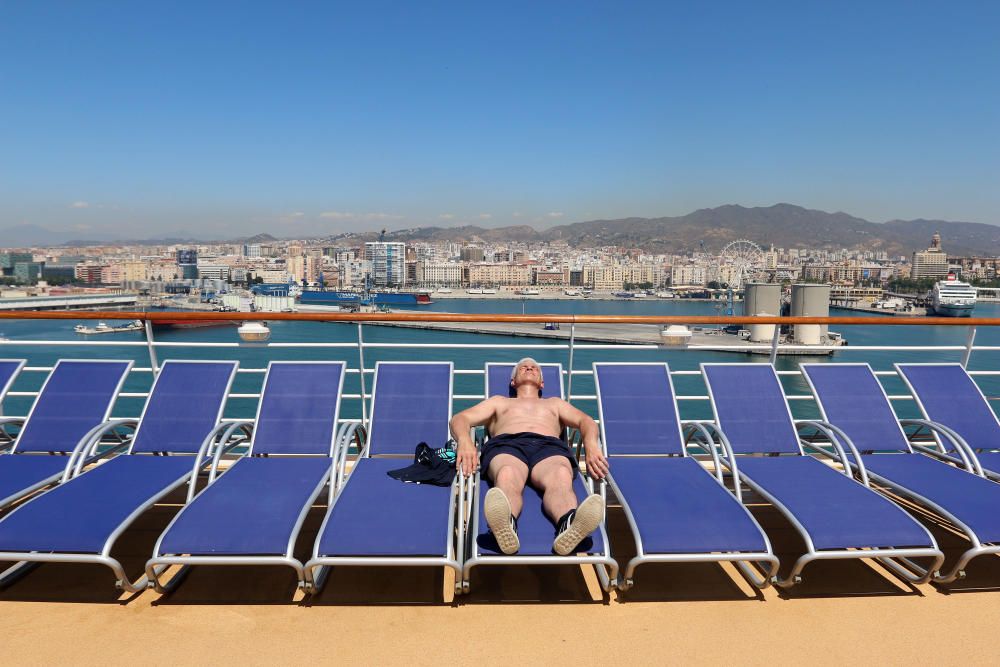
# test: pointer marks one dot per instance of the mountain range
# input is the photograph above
(783, 225)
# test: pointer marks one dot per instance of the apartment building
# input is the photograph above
(499, 274)
(556, 277)
(604, 278)
(87, 272)
(388, 262)
(687, 274)
(352, 272)
(438, 273)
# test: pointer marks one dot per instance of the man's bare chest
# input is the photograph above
(530, 410)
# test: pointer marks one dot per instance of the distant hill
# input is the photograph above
(260, 238)
(784, 225)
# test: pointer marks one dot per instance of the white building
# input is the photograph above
(930, 263)
(388, 262)
(439, 273)
(351, 273)
(687, 274)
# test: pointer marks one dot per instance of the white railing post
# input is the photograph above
(569, 379)
(152, 350)
(774, 342)
(970, 340)
(361, 372)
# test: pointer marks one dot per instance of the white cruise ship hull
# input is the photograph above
(953, 310)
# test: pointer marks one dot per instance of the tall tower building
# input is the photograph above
(930, 263)
(187, 263)
(388, 262)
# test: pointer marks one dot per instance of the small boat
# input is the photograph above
(103, 328)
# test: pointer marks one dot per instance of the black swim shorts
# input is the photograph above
(527, 447)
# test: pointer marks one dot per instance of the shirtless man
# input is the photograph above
(526, 449)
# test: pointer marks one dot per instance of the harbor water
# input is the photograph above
(488, 350)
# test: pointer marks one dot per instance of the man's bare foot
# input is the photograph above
(502, 523)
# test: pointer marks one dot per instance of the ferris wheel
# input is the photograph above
(742, 260)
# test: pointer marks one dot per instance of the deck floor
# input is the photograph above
(676, 613)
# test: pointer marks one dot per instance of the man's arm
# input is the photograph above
(597, 463)
(466, 457)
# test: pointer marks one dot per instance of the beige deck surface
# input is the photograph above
(702, 613)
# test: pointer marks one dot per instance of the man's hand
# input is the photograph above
(467, 459)
(597, 463)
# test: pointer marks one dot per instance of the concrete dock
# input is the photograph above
(631, 334)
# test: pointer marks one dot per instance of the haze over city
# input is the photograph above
(127, 121)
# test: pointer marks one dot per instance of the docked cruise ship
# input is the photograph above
(953, 298)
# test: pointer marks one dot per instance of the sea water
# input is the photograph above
(251, 356)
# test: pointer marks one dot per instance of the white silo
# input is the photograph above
(810, 301)
(761, 299)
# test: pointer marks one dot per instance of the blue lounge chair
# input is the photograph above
(79, 520)
(836, 516)
(948, 396)
(251, 514)
(852, 398)
(676, 509)
(534, 529)
(68, 419)
(377, 520)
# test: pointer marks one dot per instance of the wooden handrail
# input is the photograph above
(175, 316)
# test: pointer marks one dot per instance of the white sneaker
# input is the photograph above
(579, 524)
(501, 521)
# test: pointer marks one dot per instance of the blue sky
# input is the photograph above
(227, 118)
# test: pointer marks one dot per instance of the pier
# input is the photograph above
(69, 302)
(612, 334)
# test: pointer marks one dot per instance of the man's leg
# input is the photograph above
(503, 502)
(509, 474)
(553, 476)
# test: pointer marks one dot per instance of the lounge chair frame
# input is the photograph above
(9, 440)
(160, 561)
(317, 569)
(696, 432)
(605, 566)
(85, 451)
(216, 438)
(899, 561)
(857, 466)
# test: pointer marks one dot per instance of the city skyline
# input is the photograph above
(128, 122)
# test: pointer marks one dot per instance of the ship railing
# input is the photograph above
(364, 370)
